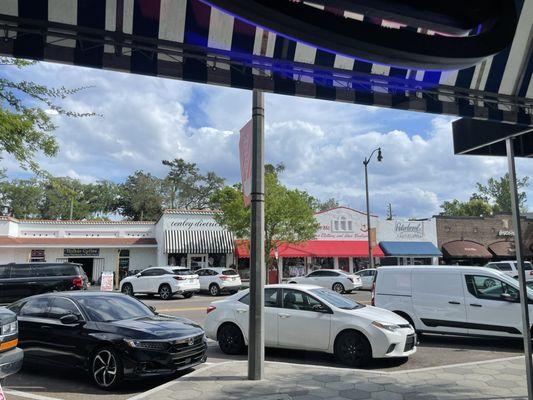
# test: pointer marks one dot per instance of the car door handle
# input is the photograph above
(476, 305)
(284, 316)
(453, 302)
(45, 326)
(241, 310)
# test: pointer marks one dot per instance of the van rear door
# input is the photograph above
(438, 300)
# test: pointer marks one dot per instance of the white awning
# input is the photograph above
(199, 242)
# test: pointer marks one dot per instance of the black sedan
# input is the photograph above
(110, 335)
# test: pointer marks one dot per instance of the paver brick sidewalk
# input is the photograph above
(503, 379)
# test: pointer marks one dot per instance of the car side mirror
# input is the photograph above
(509, 297)
(152, 308)
(69, 319)
(138, 275)
(320, 308)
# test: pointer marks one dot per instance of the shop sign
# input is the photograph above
(409, 229)
(37, 254)
(194, 224)
(81, 252)
(505, 233)
(107, 282)
(342, 224)
(245, 155)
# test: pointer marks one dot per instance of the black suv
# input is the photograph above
(22, 280)
(10, 355)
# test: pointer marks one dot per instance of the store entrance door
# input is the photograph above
(196, 261)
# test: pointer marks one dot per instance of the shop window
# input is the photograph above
(293, 267)
(124, 259)
(216, 260)
(336, 225)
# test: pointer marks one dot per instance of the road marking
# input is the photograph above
(29, 395)
(181, 309)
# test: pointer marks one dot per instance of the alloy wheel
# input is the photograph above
(214, 290)
(127, 290)
(353, 349)
(164, 292)
(105, 368)
(338, 287)
(230, 339)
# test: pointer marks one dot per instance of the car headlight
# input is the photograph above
(10, 329)
(386, 326)
(139, 344)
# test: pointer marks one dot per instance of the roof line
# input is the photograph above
(346, 208)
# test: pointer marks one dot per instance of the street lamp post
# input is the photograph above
(365, 163)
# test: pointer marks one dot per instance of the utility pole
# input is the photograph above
(365, 163)
(256, 339)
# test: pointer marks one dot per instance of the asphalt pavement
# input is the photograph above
(433, 351)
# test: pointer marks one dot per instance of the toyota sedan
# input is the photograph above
(309, 317)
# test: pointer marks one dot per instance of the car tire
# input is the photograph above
(292, 282)
(352, 348)
(230, 339)
(106, 369)
(165, 291)
(338, 287)
(188, 295)
(214, 289)
(233, 291)
(127, 289)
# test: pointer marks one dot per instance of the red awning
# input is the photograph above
(316, 248)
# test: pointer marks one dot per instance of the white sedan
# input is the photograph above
(165, 281)
(334, 279)
(309, 317)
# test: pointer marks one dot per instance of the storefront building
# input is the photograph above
(408, 242)
(341, 242)
(478, 240)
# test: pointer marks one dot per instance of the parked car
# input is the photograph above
(22, 280)
(367, 277)
(334, 279)
(111, 336)
(165, 281)
(474, 301)
(11, 356)
(309, 317)
(510, 268)
(216, 280)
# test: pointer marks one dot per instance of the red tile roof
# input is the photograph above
(36, 241)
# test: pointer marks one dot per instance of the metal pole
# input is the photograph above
(256, 341)
(520, 266)
(370, 258)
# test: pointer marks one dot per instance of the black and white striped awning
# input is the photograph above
(199, 242)
(189, 40)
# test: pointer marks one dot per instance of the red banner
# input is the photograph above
(245, 152)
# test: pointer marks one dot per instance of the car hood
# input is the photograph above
(377, 314)
(156, 327)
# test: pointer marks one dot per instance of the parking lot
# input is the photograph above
(434, 350)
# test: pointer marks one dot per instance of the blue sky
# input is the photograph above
(322, 144)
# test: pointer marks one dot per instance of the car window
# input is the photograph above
(527, 266)
(331, 273)
(336, 299)
(5, 271)
(36, 308)
(229, 272)
(21, 271)
(61, 306)
(364, 273)
(182, 272)
(504, 267)
(315, 274)
(493, 266)
(105, 308)
(149, 272)
(297, 300)
(54, 270)
(487, 287)
(271, 298)
(201, 272)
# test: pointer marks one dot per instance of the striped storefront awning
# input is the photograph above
(199, 242)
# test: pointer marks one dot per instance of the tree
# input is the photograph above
(140, 197)
(25, 128)
(64, 198)
(475, 207)
(288, 215)
(328, 204)
(23, 197)
(498, 193)
(185, 187)
(102, 198)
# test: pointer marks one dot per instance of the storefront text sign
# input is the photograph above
(409, 229)
(188, 224)
(245, 153)
(107, 282)
(505, 233)
(37, 254)
(81, 252)
(397, 230)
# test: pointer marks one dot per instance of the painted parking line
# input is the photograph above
(181, 309)
(31, 396)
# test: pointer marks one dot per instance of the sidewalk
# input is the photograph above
(498, 379)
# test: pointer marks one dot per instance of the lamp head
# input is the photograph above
(380, 156)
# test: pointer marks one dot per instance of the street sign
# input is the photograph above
(245, 152)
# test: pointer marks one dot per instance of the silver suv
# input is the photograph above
(509, 268)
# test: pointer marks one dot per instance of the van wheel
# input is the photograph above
(338, 287)
(352, 348)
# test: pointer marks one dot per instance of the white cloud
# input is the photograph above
(322, 144)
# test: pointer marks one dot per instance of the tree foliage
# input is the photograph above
(289, 218)
(140, 197)
(25, 127)
(494, 197)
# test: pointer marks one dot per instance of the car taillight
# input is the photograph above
(78, 282)
(179, 278)
(211, 308)
(373, 296)
(531, 272)
(224, 277)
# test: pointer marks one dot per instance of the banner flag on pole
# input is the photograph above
(245, 153)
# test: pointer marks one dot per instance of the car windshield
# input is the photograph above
(336, 299)
(229, 272)
(527, 266)
(113, 308)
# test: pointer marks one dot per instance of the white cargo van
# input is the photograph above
(452, 300)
